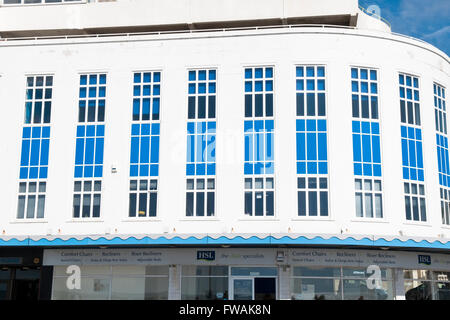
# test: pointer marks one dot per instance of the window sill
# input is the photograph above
(142, 220)
(25, 221)
(312, 219)
(84, 220)
(444, 226)
(199, 219)
(259, 219)
(371, 220)
(417, 223)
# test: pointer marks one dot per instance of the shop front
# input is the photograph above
(247, 274)
(22, 276)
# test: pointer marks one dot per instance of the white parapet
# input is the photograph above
(144, 13)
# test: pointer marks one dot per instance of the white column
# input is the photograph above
(174, 282)
(284, 278)
(399, 286)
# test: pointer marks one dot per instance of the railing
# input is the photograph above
(190, 31)
(373, 14)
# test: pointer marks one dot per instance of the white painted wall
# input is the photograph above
(229, 52)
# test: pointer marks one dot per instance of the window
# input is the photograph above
(259, 92)
(200, 197)
(91, 107)
(202, 94)
(144, 160)
(366, 143)
(412, 152)
(409, 99)
(311, 135)
(426, 285)
(35, 152)
(201, 148)
(143, 198)
(204, 283)
(146, 96)
(201, 143)
(364, 93)
(90, 141)
(145, 137)
(38, 102)
(259, 141)
(89, 151)
(312, 196)
(415, 202)
(310, 88)
(368, 196)
(87, 198)
(366, 148)
(34, 160)
(31, 200)
(440, 112)
(445, 205)
(259, 196)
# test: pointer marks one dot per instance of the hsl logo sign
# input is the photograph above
(206, 255)
(424, 259)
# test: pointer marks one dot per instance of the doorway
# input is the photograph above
(18, 283)
(253, 283)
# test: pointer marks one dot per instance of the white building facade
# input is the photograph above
(220, 150)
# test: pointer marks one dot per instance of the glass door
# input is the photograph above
(243, 289)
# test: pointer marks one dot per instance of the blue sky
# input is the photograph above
(428, 20)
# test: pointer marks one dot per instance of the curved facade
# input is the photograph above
(276, 140)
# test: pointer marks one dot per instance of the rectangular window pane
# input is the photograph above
(368, 205)
(132, 205)
(76, 205)
(378, 206)
(301, 197)
(269, 203)
(248, 203)
(312, 203)
(189, 204)
(200, 211)
(153, 204)
(21, 207)
(323, 203)
(31, 206)
(142, 205)
(41, 206)
(259, 203)
(210, 204)
(359, 204)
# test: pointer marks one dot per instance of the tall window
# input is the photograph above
(90, 138)
(259, 141)
(145, 135)
(201, 143)
(312, 149)
(35, 147)
(440, 112)
(411, 143)
(366, 143)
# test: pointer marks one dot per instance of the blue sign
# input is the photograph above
(423, 259)
(206, 255)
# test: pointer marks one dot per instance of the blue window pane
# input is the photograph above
(88, 171)
(356, 147)
(191, 88)
(90, 131)
(322, 146)
(23, 173)
(134, 171)
(248, 168)
(202, 75)
(100, 131)
(299, 71)
(366, 146)
(301, 168)
(373, 75)
(269, 72)
(312, 167)
(248, 86)
(78, 172)
(98, 171)
(364, 74)
(311, 146)
(145, 129)
(211, 169)
(212, 74)
(259, 168)
(190, 169)
(377, 170)
(102, 79)
(310, 71)
(192, 75)
(323, 168)
(24, 160)
(83, 80)
(46, 132)
(270, 168)
(156, 77)
(154, 170)
(202, 88)
(44, 152)
(144, 170)
(367, 169)
(200, 169)
(405, 173)
(258, 73)
(99, 151)
(35, 148)
(145, 150)
(320, 71)
(354, 73)
(154, 158)
(248, 73)
(89, 153)
(34, 173)
(79, 154)
(36, 133)
(355, 87)
(137, 78)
